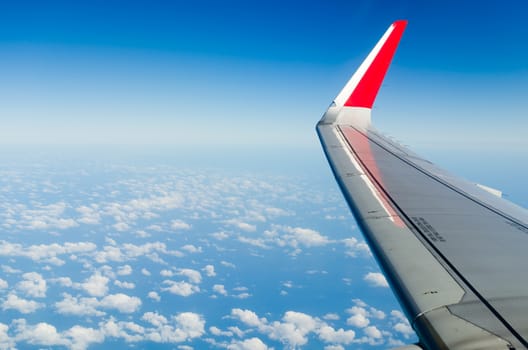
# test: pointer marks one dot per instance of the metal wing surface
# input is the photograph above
(454, 252)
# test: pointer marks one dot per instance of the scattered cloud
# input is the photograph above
(179, 225)
(96, 285)
(13, 302)
(181, 288)
(33, 285)
(209, 271)
(376, 279)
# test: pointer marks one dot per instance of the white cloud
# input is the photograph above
(247, 316)
(244, 226)
(89, 215)
(121, 302)
(191, 248)
(180, 225)
(220, 289)
(155, 319)
(248, 344)
(166, 273)
(44, 217)
(33, 285)
(40, 334)
(181, 327)
(193, 275)
(21, 305)
(81, 337)
(63, 281)
(181, 288)
(96, 285)
(3, 284)
(124, 285)
(209, 270)
(124, 270)
(145, 272)
(154, 296)
(227, 264)
(373, 332)
(359, 317)
(340, 336)
(376, 279)
(294, 328)
(47, 253)
(334, 347)
(6, 342)
(218, 332)
(354, 246)
(70, 305)
(121, 226)
(331, 317)
(305, 236)
(402, 324)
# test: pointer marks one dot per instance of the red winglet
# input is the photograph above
(365, 92)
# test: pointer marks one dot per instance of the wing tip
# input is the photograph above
(377, 64)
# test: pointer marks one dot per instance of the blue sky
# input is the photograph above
(225, 73)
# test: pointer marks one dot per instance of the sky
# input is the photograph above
(229, 73)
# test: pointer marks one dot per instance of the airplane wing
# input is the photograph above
(454, 252)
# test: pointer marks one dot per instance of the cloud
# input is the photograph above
(154, 296)
(21, 305)
(355, 247)
(6, 342)
(218, 332)
(191, 248)
(132, 251)
(340, 336)
(33, 285)
(209, 270)
(248, 344)
(227, 264)
(71, 305)
(180, 225)
(331, 317)
(124, 285)
(193, 275)
(220, 289)
(155, 319)
(3, 284)
(44, 217)
(373, 332)
(89, 215)
(40, 334)
(241, 225)
(181, 288)
(124, 270)
(294, 329)
(402, 325)
(376, 279)
(47, 253)
(121, 302)
(96, 285)
(287, 236)
(81, 337)
(248, 317)
(181, 327)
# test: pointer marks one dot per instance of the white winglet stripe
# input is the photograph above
(356, 78)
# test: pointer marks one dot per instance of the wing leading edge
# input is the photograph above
(451, 250)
